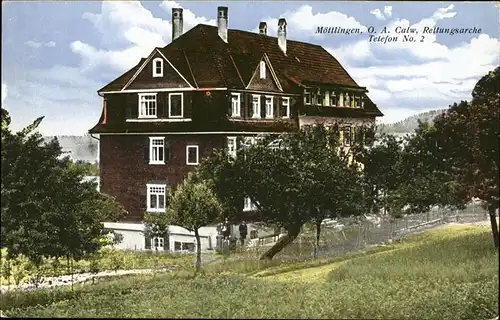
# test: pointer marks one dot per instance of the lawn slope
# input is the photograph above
(445, 273)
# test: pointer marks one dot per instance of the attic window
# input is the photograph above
(262, 70)
(158, 67)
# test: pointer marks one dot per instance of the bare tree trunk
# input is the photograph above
(318, 233)
(198, 251)
(494, 226)
(292, 233)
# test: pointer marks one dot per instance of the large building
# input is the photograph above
(207, 87)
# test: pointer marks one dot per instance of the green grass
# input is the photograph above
(107, 260)
(445, 273)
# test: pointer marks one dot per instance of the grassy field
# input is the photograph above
(445, 273)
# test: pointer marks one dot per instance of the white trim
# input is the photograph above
(151, 150)
(235, 141)
(155, 73)
(164, 90)
(159, 120)
(197, 155)
(262, 69)
(256, 115)
(193, 133)
(174, 68)
(139, 96)
(170, 102)
(148, 201)
(287, 99)
(271, 115)
(238, 109)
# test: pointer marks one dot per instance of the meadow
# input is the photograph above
(450, 272)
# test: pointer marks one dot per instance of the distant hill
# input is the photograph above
(78, 147)
(409, 124)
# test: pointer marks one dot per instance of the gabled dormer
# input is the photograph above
(157, 72)
(264, 78)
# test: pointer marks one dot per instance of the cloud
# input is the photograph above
(4, 92)
(299, 22)
(34, 44)
(388, 11)
(418, 75)
(378, 14)
(133, 30)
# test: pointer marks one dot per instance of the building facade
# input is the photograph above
(201, 92)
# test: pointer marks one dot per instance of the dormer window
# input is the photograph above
(157, 67)
(262, 70)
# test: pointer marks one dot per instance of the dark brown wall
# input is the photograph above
(267, 84)
(125, 170)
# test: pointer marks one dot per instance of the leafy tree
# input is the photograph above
(47, 211)
(89, 169)
(192, 205)
(291, 179)
(461, 148)
(155, 226)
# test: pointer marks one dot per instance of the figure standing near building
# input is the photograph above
(226, 229)
(243, 232)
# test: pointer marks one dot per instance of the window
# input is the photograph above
(157, 67)
(256, 106)
(359, 102)
(157, 194)
(235, 104)
(347, 100)
(326, 98)
(262, 70)
(156, 150)
(231, 146)
(158, 243)
(248, 205)
(248, 141)
(175, 105)
(192, 155)
(307, 97)
(147, 105)
(314, 98)
(285, 107)
(269, 107)
(347, 136)
(184, 246)
(333, 99)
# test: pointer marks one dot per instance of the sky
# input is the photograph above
(56, 55)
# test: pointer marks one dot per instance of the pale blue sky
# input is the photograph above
(56, 55)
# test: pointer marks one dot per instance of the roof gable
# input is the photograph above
(143, 77)
(269, 83)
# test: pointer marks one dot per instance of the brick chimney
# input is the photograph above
(263, 28)
(222, 22)
(282, 34)
(176, 23)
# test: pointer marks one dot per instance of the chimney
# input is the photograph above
(282, 34)
(263, 28)
(222, 22)
(176, 23)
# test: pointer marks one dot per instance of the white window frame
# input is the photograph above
(334, 94)
(161, 147)
(262, 69)
(230, 152)
(256, 106)
(141, 97)
(160, 240)
(149, 193)
(269, 107)
(285, 102)
(197, 155)
(155, 72)
(248, 205)
(306, 95)
(170, 105)
(235, 104)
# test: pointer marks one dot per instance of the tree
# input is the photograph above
(155, 226)
(462, 149)
(291, 179)
(192, 205)
(47, 211)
